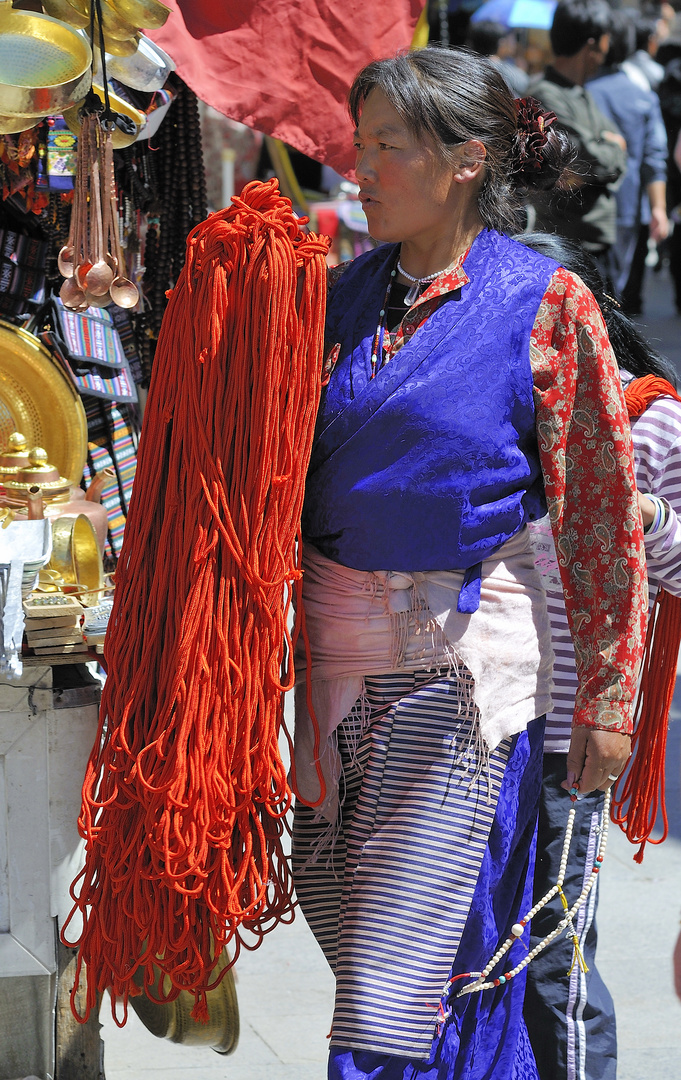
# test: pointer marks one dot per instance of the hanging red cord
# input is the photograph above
(185, 790)
(640, 792)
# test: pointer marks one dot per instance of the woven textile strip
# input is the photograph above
(91, 339)
(112, 442)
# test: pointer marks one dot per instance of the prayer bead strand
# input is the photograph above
(566, 922)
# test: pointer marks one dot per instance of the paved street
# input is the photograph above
(286, 991)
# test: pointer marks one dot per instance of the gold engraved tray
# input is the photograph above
(37, 399)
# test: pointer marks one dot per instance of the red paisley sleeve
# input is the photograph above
(586, 456)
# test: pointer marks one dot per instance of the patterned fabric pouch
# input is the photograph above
(89, 347)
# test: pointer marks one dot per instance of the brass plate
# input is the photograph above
(38, 400)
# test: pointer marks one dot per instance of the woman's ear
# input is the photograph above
(469, 159)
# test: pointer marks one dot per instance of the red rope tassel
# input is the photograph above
(640, 792)
(185, 791)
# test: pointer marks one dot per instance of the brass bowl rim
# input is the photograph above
(22, 18)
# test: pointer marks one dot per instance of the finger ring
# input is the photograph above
(611, 777)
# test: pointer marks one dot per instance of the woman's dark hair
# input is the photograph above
(450, 96)
(631, 349)
(577, 21)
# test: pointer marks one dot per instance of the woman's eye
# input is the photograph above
(385, 146)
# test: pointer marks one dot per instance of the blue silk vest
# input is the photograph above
(434, 464)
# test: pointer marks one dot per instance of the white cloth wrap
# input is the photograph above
(369, 623)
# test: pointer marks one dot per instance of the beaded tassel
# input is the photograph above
(566, 922)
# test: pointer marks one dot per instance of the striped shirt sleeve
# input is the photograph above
(657, 451)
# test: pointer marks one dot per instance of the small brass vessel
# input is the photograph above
(14, 456)
(55, 488)
(75, 554)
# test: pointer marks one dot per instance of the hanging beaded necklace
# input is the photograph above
(409, 300)
(480, 978)
(417, 282)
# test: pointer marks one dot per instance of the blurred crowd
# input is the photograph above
(613, 79)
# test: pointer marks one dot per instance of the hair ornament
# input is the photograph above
(533, 122)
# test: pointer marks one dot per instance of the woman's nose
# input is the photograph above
(364, 169)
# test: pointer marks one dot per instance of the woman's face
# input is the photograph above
(407, 191)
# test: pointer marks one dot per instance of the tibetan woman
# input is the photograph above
(470, 385)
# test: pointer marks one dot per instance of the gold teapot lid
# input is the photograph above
(15, 455)
(39, 471)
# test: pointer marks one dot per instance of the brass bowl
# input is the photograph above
(68, 13)
(172, 1020)
(82, 9)
(119, 138)
(44, 64)
(117, 47)
(146, 14)
(114, 26)
(146, 70)
(11, 125)
(75, 552)
(37, 399)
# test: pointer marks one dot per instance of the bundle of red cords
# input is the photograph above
(639, 795)
(185, 790)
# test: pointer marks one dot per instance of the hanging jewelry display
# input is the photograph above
(181, 198)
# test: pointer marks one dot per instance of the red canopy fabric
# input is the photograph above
(284, 67)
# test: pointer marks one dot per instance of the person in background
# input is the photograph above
(643, 60)
(584, 210)
(571, 1017)
(670, 33)
(498, 43)
(641, 198)
(670, 102)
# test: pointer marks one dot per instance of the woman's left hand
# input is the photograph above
(595, 757)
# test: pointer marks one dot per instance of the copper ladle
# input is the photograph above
(122, 291)
(100, 275)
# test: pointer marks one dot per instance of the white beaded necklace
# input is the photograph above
(566, 923)
(411, 298)
(412, 295)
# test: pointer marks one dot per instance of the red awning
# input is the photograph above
(284, 67)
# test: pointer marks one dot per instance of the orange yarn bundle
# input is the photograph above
(185, 790)
(640, 791)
